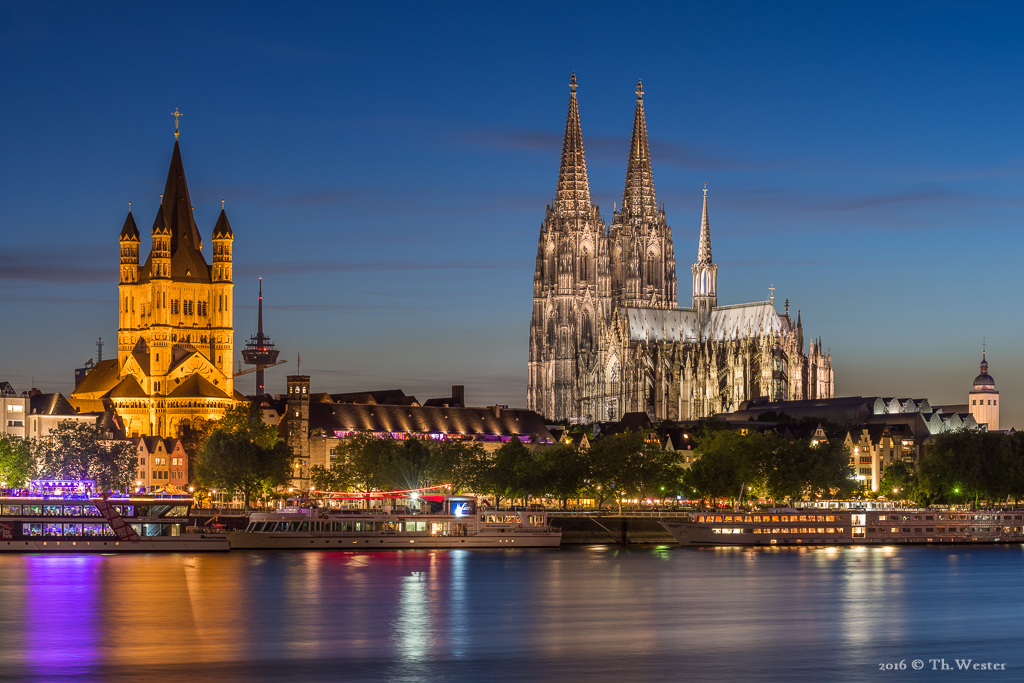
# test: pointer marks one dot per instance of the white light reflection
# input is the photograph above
(414, 623)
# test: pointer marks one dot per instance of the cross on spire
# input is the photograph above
(983, 348)
(640, 89)
(572, 82)
(771, 293)
(705, 188)
(177, 115)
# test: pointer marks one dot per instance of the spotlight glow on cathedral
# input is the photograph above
(607, 336)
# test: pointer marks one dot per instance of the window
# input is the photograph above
(187, 308)
(15, 409)
(201, 307)
(15, 423)
(174, 307)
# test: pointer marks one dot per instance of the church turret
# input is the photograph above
(222, 239)
(129, 249)
(573, 195)
(984, 398)
(705, 271)
(643, 263)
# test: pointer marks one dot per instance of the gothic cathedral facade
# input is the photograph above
(607, 336)
(175, 337)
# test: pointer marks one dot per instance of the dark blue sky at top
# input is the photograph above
(385, 169)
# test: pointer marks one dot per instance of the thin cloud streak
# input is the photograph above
(285, 268)
(610, 149)
(62, 265)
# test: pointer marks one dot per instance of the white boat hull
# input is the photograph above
(244, 540)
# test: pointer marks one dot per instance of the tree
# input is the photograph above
(233, 461)
(333, 479)
(16, 462)
(458, 463)
(75, 450)
(565, 471)
(898, 481)
(726, 462)
(502, 476)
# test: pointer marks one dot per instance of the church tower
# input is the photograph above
(571, 284)
(643, 263)
(705, 272)
(984, 398)
(175, 338)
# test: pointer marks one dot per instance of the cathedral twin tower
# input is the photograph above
(607, 336)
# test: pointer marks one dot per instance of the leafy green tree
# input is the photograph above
(333, 479)
(75, 450)
(626, 465)
(458, 463)
(898, 481)
(502, 475)
(726, 462)
(972, 465)
(234, 461)
(565, 470)
(16, 464)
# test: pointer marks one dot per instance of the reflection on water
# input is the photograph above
(600, 613)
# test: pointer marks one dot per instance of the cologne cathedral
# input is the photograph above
(175, 337)
(607, 336)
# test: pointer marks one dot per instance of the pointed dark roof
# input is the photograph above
(573, 196)
(704, 251)
(130, 231)
(175, 217)
(51, 404)
(223, 228)
(638, 196)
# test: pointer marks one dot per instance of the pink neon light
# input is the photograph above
(384, 493)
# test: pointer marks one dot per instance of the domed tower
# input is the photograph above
(984, 398)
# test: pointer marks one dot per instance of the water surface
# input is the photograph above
(591, 613)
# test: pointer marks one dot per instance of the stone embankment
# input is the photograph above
(593, 529)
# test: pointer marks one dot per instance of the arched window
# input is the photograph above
(584, 265)
(652, 275)
(586, 331)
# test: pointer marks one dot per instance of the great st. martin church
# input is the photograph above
(607, 336)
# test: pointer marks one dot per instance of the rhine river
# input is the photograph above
(637, 613)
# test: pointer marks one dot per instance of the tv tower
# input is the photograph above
(260, 351)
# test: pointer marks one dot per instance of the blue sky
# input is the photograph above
(385, 169)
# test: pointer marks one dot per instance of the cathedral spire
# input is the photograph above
(704, 251)
(638, 196)
(573, 196)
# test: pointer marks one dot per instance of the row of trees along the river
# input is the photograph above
(72, 450)
(613, 469)
(765, 465)
(963, 467)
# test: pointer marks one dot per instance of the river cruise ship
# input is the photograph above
(458, 524)
(64, 515)
(817, 526)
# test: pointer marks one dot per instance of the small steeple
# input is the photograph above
(704, 250)
(130, 231)
(573, 196)
(638, 196)
(223, 228)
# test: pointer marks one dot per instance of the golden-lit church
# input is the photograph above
(175, 335)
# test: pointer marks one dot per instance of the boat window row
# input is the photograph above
(797, 530)
(340, 527)
(766, 518)
(65, 529)
(49, 511)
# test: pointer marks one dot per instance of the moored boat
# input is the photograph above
(818, 526)
(458, 524)
(65, 515)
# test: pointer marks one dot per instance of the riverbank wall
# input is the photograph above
(589, 530)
